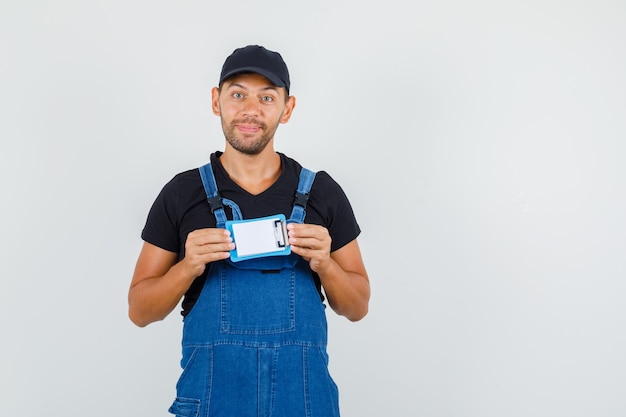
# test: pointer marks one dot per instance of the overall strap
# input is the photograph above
(302, 196)
(213, 197)
(216, 202)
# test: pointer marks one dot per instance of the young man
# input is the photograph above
(254, 334)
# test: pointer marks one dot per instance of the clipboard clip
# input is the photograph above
(280, 233)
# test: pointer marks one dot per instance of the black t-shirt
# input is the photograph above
(181, 207)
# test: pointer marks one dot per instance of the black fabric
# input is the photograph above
(182, 207)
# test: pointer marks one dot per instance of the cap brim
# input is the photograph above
(274, 79)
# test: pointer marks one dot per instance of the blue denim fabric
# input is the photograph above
(254, 344)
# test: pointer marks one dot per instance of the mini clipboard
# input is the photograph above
(257, 238)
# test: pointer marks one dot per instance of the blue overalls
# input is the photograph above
(254, 344)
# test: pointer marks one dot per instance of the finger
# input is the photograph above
(304, 229)
(209, 250)
(302, 251)
(314, 232)
(209, 236)
(305, 242)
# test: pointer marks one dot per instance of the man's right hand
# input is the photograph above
(204, 246)
(159, 281)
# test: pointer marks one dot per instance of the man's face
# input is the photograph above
(251, 108)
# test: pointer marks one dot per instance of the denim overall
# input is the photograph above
(254, 344)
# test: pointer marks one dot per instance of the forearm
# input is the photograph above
(342, 273)
(152, 299)
(159, 281)
(348, 293)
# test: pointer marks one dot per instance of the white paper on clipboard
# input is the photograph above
(253, 238)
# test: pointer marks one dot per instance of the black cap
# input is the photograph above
(257, 59)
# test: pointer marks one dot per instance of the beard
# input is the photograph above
(247, 143)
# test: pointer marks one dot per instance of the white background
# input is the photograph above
(481, 144)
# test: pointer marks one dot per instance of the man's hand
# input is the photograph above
(341, 273)
(312, 242)
(204, 246)
(159, 282)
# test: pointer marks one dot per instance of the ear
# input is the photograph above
(215, 101)
(289, 106)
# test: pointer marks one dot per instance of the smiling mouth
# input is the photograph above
(249, 126)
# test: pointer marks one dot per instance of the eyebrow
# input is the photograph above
(236, 84)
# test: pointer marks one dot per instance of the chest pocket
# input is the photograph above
(258, 296)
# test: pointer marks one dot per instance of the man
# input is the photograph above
(254, 335)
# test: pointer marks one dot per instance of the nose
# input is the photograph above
(250, 107)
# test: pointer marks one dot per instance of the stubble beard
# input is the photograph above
(243, 142)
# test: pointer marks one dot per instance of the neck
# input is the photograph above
(253, 173)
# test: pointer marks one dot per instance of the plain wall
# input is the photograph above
(481, 144)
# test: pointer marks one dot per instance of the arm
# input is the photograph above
(341, 272)
(159, 282)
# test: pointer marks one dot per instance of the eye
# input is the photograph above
(237, 95)
(267, 99)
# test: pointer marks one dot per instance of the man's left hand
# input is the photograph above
(312, 242)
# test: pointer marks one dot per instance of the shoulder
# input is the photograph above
(169, 217)
(323, 180)
(182, 184)
(328, 205)
(329, 200)
(182, 191)
(324, 186)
